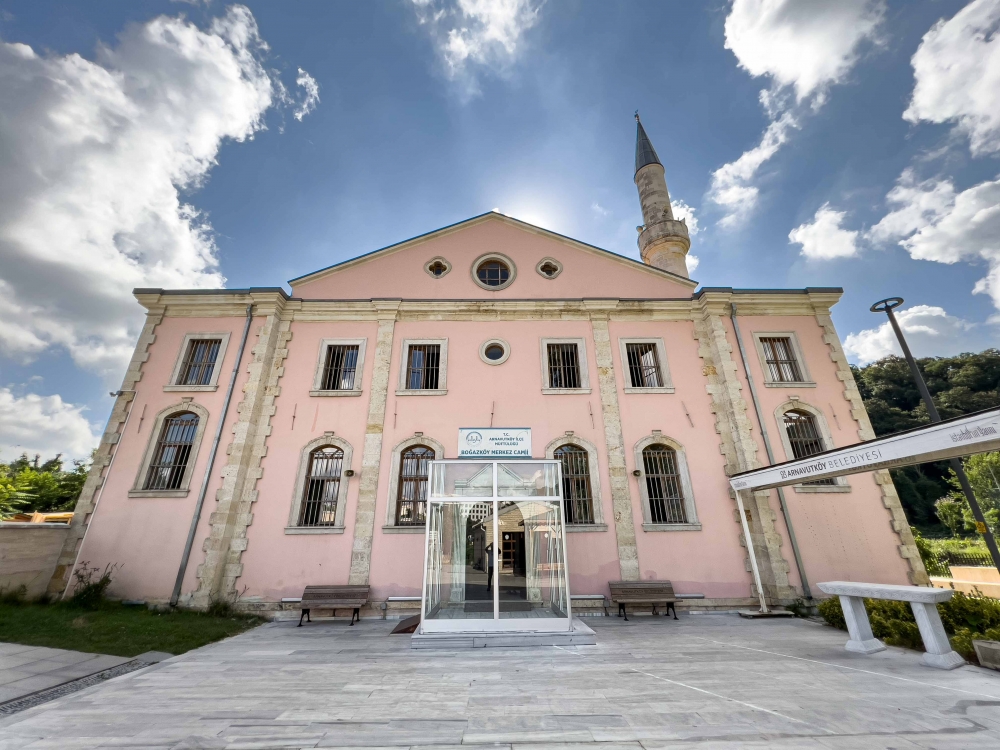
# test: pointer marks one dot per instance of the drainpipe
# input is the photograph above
(211, 462)
(770, 457)
(100, 490)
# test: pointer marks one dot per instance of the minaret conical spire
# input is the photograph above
(663, 241)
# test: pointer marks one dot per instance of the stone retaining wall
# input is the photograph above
(28, 555)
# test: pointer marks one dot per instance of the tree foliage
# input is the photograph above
(28, 485)
(959, 385)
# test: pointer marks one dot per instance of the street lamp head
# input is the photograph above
(885, 305)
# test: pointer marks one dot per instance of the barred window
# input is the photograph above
(493, 273)
(340, 367)
(780, 359)
(643, 365)
(423, 364)
(199, 362)
(322, 487)
(414, 466)
(564, 366)
(663, 485)
(172, 452)
(804, 438)
(577, 494)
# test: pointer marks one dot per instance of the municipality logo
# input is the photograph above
(474, 438)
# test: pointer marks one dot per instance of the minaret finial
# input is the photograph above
(637, 115)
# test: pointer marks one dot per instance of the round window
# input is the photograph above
(494, 352)
(493, 273)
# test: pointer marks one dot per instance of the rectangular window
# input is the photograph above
(199, 362)
(340, 367)
(780, 359)
(564, 366)
(643, 365)
(423, 366)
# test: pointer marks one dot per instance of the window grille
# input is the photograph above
(805, 438)
(172, 452)
(340, 367)
(319, 504)
(493, 273)
(411, 505)
(780, 359)
(577, 494)
(643, 365)
(422, 367)
(663, 485)
(564, 366)
(199, 362)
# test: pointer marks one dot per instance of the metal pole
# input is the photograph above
(189, 543)
(752, 552)
(770, 457)
(887, 306)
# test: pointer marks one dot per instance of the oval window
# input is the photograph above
(493, 273)
(494, 352)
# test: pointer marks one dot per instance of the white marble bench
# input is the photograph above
(923, 601)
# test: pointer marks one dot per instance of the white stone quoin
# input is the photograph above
(923, 601)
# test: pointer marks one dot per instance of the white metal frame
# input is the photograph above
(507, 624)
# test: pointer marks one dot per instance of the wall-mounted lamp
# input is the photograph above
(349, 473)
(636, 473)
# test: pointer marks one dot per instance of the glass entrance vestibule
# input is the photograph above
(496, 548)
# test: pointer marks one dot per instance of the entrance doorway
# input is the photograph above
(495, 557)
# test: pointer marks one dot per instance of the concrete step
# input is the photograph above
(580, 635)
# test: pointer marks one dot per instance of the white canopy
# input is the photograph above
(961, 436)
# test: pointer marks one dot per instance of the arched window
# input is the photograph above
(805, 438)
(577, 493)
(172, 452)
(322, 487)
(414, 466)
(663, 484)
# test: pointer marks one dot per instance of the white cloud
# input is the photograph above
(95, 154)
(929, 331)
(469, 33)
(600, 210)
(933, 221)
(824, 239)
(43, 424)
(692, 262)
(957, 71)
(802, 45)
(311, 95)
(682, 210)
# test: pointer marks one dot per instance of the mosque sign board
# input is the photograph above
(961, 436)
(494, 442)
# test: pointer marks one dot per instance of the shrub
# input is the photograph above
(829, 610)
(90, 588)
(14, 596)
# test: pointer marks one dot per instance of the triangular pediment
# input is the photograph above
(399, 271)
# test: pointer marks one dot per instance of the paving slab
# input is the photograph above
(705, 681)
(28, 669)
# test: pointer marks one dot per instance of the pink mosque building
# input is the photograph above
(262, 441)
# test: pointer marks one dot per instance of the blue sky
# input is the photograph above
(172, 144)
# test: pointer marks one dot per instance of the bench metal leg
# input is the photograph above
(356, 613)
(654, 610)
(305, 613)
(622, 611)
(673, 607)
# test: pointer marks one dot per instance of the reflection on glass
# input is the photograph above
(525, 479)
(466, 479)
(531, 574)
(459, 566)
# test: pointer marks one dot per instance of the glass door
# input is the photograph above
(495, 557)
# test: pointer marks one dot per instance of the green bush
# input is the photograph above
(965, 618)
(91, 585)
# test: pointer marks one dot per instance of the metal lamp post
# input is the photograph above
(887, 306)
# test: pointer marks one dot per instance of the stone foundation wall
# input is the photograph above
(28, 555)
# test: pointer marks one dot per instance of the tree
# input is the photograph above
(983, 471)
(27, 485)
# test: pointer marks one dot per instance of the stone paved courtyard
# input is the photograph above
(707, 681)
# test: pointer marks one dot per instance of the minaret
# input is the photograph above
(663, 241)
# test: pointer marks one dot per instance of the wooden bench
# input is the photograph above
(923, 601)
(647, 593)
(333, 598)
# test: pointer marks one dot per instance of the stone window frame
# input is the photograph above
(154, 438)
(442, 389)
(317, 390)
(442, 261)
(690, 506)
(593, 464)
(794, 404)
(581, 354)
(493, 256)
(328, 439)
(392, 498)
(172, 385)
(661, 353)
(792, 336)
(553, 261)
(490, 342)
